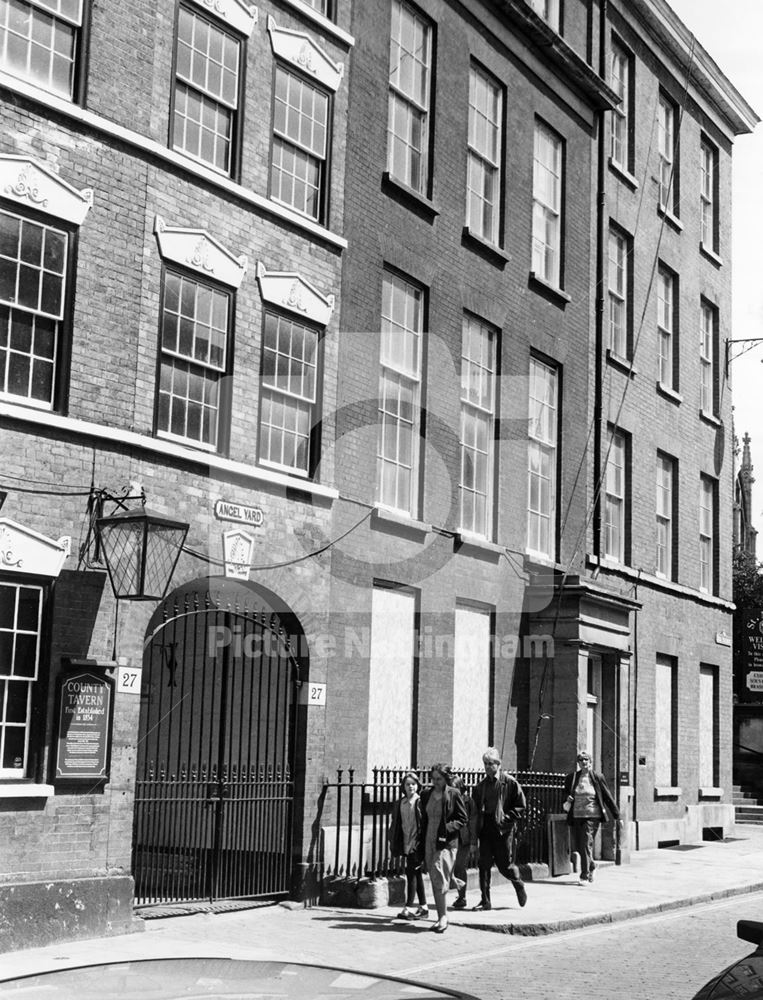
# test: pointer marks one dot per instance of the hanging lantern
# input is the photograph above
(141, 549)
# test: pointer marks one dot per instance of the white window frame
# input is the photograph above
(542, 458)
(407, 105)
(707, 358)
(209, 96)
(8, 676)
(478, 385)
(619, 317)
(666, 333)
(50, 13)
(294, 388)
(306, 155)
(548, 10)
(548, 183)
(667, 146)
(400, 379)
(619, 80)
(616, 497)
(46, 325)
(708, 165)
(706, 535)
(174, 361)
(664, 516)
(484, 182)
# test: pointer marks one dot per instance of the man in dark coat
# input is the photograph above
(498, 803)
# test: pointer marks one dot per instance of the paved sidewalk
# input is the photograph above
(372, 940)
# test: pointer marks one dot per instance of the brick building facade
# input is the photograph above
(342, 272)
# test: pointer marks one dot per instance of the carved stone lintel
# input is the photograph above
(200, 256)
(289, 290)
(27, 186)
(33, 182)
(293, 298)
(7, 555)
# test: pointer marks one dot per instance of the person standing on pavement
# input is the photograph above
(405, 842)
(443, 814)
(498, 803)
(465, 844)
(588, 803)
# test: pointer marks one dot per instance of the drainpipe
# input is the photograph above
(601, 204)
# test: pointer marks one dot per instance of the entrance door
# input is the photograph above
(214, 787)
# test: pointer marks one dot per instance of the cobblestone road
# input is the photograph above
(664, 957)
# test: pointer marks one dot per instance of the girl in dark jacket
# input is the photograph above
(405, 842)
(588, 803)
(443, 813)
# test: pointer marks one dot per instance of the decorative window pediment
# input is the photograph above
(299, 49)
(196, 249)
(33, 185)
(242, 17)
(25, 551)
(290, 291)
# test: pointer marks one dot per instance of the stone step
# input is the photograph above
(746, 813)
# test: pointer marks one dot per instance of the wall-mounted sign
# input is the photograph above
(238, 547)
(128, 680)
(316, 694)
(752, 655)
(83, 750)
(722, 638)
(227, 511)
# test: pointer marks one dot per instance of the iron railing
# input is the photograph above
(356, 844)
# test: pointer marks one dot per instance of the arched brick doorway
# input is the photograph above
(218, 739)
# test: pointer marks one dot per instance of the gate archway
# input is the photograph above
(214, 795)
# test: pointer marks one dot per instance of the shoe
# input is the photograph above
(590, 876)
(519, 888)
(406, 914)
(583, 880)
(459, 904)
(440, 928)
(421, 911)
(482, 905)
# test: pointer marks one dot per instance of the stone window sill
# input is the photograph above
(668, 393)
(623, 174)
(667, 792)
(711, 255)
(711, 793)
(323, 22)
(471, 544)
(671, 219)
(490, 251)
(384, 517)
(710, 418)
(420, 204)
(25, 790)
(623, 364)
(551, 292)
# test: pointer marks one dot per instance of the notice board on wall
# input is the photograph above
(83, 741)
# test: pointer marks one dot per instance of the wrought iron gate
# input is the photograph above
(214, 786)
